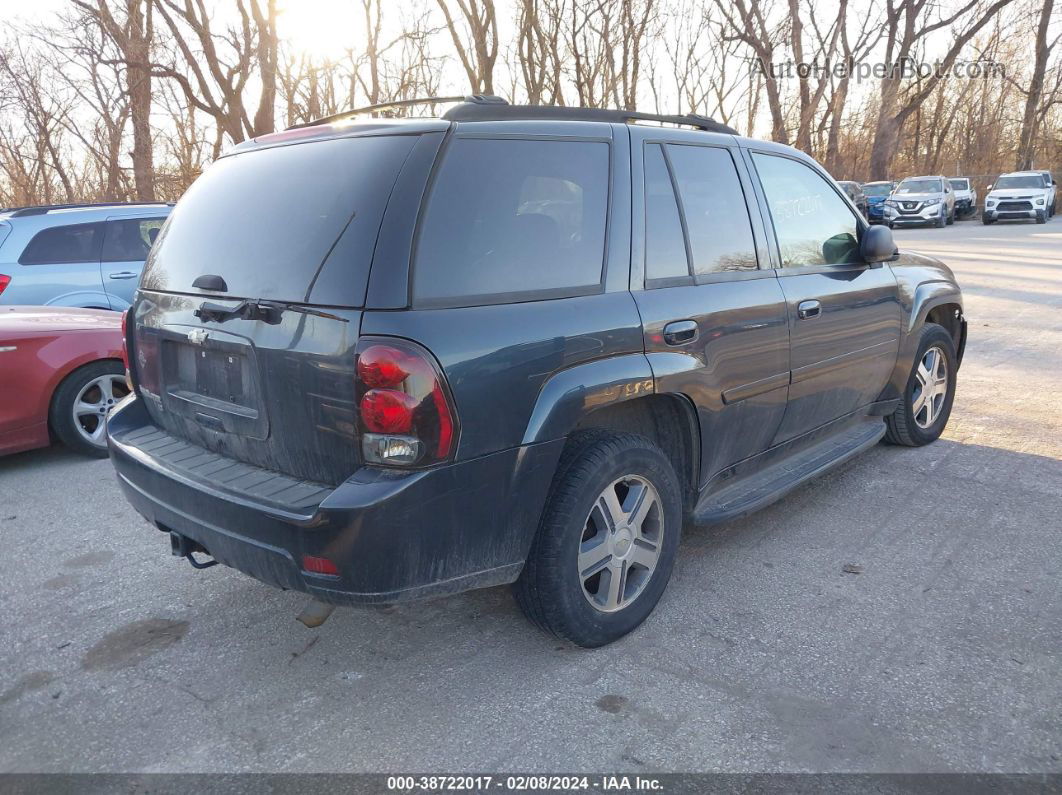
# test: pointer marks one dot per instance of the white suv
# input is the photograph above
(921, 200)
(1021, 195)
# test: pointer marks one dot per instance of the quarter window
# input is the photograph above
(665, 247)
(130, 239)
(813, 224)
(508, 218)
(61, 244)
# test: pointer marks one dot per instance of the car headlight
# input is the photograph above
(990, 203)
(890, 203)
(1040, 201)
(932, 203)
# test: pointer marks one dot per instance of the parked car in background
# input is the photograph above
(82, 255)
(854, 191)
(61, 373)
(1052, 186)
(965, 196)
(876, 193)
(513, 344)
(1020, 195)
(921, 200)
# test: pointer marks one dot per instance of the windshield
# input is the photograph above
(266, 219)
(920, 186)
(1024, 181)
(878, 189)
(960, 184)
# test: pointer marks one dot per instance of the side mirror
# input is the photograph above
(877, 245)
(990, 187)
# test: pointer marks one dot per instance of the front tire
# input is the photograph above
(926, 406)
(987, 221)
(1041, 216)
(606, 545)
(951, 218)
(81, 403)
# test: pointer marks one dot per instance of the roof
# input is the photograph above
(45, 209)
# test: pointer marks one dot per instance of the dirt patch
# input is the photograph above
(26, 684)
(133, 643)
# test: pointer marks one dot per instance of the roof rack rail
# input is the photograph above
(42, 209)
(482, 111)
(479, 99)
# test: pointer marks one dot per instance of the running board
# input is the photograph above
(760, 490)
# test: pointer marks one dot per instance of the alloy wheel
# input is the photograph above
(94, 402)
(931, 387)
(620, 545)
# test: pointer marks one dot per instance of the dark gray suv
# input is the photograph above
(382, 360)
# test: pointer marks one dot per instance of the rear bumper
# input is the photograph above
(395, 536)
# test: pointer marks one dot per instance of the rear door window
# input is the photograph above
(511, 219)
(713, 205)
(61, 244)
(266, 219)
(130, 239)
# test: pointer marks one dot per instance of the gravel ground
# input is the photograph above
(943, 654)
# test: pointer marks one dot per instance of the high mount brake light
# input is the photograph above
(406, 414)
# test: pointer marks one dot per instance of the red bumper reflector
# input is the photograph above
(316, 565)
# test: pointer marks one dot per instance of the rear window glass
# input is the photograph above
(265, 220)
(74, 243)
(508, 218)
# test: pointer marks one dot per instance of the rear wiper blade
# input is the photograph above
(255, 309)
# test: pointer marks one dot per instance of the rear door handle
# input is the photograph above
(808, 309)
(680, 332)
(124, 275)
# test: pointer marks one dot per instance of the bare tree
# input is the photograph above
(475, 38)
(214, 68)
(907, 24)
(747, 22)
(132, 30)
(1039, 96)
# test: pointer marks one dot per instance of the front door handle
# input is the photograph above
(124, 275)
(680, 332)
(808, 309)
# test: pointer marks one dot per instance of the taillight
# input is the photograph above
(5, 280)
(125, 345)
(405, 410)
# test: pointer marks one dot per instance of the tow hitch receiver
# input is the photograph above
(184, 547)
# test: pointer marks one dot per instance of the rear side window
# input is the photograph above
(61, 244)
(713, 204)
(130, 239)
(812, 223)
(265, 220)
(512, 220)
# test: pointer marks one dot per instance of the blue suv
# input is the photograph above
(85, 255)
(398, 358)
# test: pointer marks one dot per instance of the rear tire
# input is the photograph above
(596, 570)
(917, 422)
(80, 405)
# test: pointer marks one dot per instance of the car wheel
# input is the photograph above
(606, 545)
(78, 414)
(1041, 216)
(951, 218)
(890, 225)
(941, 221)
(987, 221)
(922, 414)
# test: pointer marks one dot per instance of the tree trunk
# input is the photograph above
(1027, 141)
(138, 86)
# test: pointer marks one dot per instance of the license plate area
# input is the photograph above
(213, 381)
